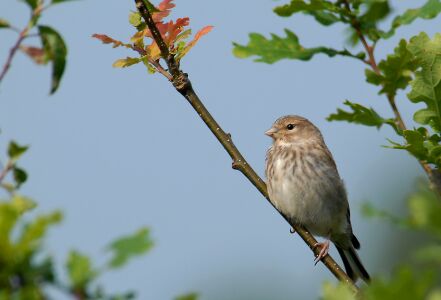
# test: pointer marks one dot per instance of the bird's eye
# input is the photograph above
(290, 126)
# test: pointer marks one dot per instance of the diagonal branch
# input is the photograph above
(434, 175)
(183, 85)
(23, 34)
(12, 53)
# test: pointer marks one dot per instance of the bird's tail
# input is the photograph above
(354, 267)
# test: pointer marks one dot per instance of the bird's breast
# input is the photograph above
(299, 185)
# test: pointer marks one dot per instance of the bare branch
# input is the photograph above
(184, 87)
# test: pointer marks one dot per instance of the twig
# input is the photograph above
(434, 175)
(22, 35)
(184, 87)
(155, 63)
(5, 171)
(13, 51)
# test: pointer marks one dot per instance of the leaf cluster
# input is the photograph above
(26, 269)
(414, 67)
(419, 277)
(415, 63)
(52, 49)
(360, 17)
(174, 33)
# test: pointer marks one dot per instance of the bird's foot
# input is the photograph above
(323, 251)
(292, 230)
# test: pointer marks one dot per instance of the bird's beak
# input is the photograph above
(271, 132)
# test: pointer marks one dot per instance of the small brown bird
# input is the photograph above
(304, 184)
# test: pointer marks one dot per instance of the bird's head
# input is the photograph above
(294, 129)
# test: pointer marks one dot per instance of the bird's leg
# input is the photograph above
(323, 251)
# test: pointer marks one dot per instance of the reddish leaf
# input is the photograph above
(165, 9)
(196, 38)
(108, 40)
(169, 31)
(36, 54)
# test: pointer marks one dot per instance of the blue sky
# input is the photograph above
(119, 149)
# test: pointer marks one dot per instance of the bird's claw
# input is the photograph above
(323, 251)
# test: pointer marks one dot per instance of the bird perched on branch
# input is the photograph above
(304, 185)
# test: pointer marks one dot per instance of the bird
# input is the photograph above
(304, 185)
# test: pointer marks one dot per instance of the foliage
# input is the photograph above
(415, 63)
(174, 34)
(53, 49)
(190, 296)
(415, 66)
(417, 279)
(361, 115)
(277, 48)
(27, 269)
(405, 283)
(396, 71)
(124, 248)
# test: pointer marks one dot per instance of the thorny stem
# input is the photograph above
(184, 87)
(434, 175)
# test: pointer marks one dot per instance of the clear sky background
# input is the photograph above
(119, 149)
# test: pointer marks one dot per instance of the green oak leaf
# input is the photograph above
(129, 246)
(15, 151)
(426, 87)
(376, 11)
(278, 48)
(422, 145)
(324, 18)
(325, 12)
(80, 270)
(361, 115)
(428, 11)
(396, 71)
(55, 51)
